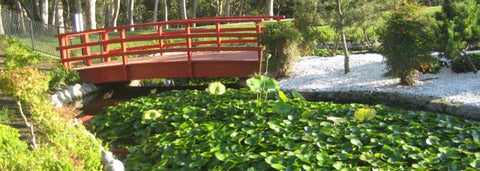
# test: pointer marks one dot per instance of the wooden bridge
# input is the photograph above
(113, 54)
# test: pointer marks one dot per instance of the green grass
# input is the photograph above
(430, 11)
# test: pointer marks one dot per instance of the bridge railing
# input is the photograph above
(115, 43)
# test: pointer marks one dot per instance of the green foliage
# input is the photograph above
(459, 65)
(200, 131)
(428, 64)
(68, 151)
(405, 43)
(6, 114)
(61, 77)
(281, 39)
(18, 55)
(457, 27)
(24, 84)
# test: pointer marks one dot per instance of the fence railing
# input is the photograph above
(34, 34)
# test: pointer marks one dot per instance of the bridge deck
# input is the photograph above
(173, 65)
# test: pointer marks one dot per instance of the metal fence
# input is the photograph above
(38, 36)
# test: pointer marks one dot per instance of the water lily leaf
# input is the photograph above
(282, 96)
(367, 157)
(337, 120)
(221, 155)
(216, 88)
(274, 162)
(356, 142)
(282, 107)
(323, 159)
(262, 84)
(199, 163)
(150, 115)
(431, 140)
(365, 114)
(297, 95)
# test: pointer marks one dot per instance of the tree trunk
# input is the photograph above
(91, 15)
(155, 11)
(130, 13)
(344, 41)
(469, 62)
(183, 10)
(78, 23)
(269, 7)
(51, 17)
(2, 32)
(34, 142)
(59, 17)
(165, 12)
(44, 11)
(36, 10)
(108, 14)
(194, 12)
(242, 4)
(21, 23)
(116, 12)
(227, 8)
(219, 7)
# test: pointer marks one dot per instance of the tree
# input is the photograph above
(91, 17)
(130, 13)
(183, 10)
(165, 12)
(227, 7)
(269, 7)
(457, 29)
(155, 11)
(2, 32)
(59, 17)
(344, 40)
(44, 11)
(405, 43)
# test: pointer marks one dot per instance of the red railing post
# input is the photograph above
(86, 49)
(124, 46)
(160, 41)
(219, 39)
(189, 41)
(64, 53)
(189, 46)
(106, 48)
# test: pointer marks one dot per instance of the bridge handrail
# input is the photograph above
(188, 34)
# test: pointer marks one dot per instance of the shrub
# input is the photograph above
(459, 65)
(405, 43)
(280, 41)
(428, 64)
(19, 55)
(61, 76)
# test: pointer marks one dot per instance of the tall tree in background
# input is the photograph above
(2, 32)
(77, 11)
(227, 8)
(116, 12)
(130, 13)
(44, 11)
(91, 15)
(269, 7)
(59, 22)
(155, 11)
(183, 9)
(344, 40)
(165, 12)
(457, 28)
(194, 11)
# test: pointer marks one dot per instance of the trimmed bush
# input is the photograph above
(405, 43)
(459, 65)
(280, 40)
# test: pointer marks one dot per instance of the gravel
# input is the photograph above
(326, 74)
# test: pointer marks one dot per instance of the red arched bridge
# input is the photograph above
(115, 54)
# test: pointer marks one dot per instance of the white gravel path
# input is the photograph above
(319, 74)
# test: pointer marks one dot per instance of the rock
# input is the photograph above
(110, 163)
(68, 96)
